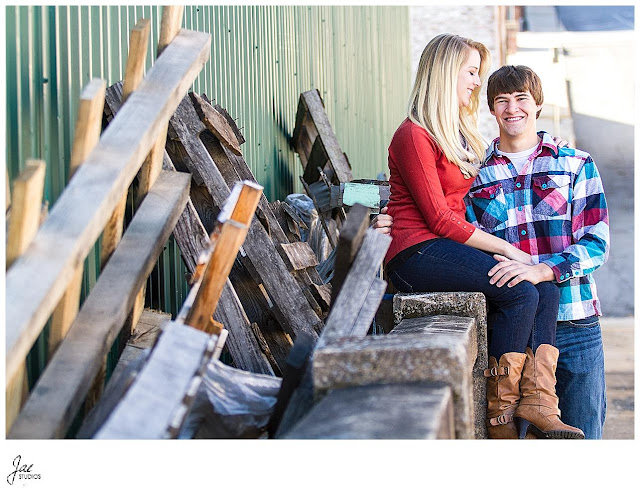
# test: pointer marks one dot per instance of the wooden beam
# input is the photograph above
(60, 391)
(23, 224)
(298, 255)
(38, 279)
(138, 46)
(169, 26)
(25, 212)
(290, 305)
(216, 123)
(339, 164)
(87, 135)
(349, 242)
(173, 371)
(231, 237)
(189, 233)
(129, 364)
(353, 310)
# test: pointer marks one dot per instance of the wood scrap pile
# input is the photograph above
(255, 286)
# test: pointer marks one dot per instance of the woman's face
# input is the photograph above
(468, 78)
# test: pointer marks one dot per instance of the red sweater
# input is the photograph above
(427, 191)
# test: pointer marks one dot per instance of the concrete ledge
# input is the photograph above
(469, 304)
(401, 411)
(441, 357)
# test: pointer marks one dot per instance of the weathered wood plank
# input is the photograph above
(136, 61)
(232, 235)
(138, 46)
(189, 232)
(61, 389)
(298, 255)
(242, 343)
(169, 26)
(339, 164)
(349, 242)
(216, 123)
(87, 135)
(25, 212)
(23, 225)
(129, 364)
(357, 288)
(291, 308)
(149, 407)
(38, 279)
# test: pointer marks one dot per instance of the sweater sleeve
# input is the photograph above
(416, 159)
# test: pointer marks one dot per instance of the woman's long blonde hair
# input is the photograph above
(434, 100)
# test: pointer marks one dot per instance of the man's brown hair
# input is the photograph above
(514, 79)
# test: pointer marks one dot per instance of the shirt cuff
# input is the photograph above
(459, 229)
(561, 268)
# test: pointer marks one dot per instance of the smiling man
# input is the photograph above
(549, 202)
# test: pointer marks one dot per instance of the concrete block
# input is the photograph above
(469, 304)
(439, 357)
(370, 412)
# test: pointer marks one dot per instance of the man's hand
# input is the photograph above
(561, 143)
(512, 272)
(383, 222)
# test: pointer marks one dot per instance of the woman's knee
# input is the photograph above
(525, 290)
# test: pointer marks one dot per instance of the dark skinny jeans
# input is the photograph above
(524, 315)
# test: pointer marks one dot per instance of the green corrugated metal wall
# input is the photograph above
(262, 58)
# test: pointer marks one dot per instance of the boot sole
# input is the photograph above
(525, 427)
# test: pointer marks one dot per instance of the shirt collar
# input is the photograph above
(546, 141)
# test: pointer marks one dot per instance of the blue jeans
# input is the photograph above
(525, 314)
(580, 375)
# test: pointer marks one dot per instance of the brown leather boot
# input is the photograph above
(503, 393)
(538, 411)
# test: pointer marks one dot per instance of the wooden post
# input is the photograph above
(151, 167)
(138, 45)
(87, 135)
(232, 235)
(23, 225)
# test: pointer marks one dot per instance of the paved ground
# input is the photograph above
(618, 339)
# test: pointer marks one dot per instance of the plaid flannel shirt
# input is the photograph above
(555, 210)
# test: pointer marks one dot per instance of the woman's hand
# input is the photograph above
(561, 143)
(513, 253)
(512, 272)
(383, 222)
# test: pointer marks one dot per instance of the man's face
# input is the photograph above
(515, 113)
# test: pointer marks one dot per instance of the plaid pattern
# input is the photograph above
(554, 210)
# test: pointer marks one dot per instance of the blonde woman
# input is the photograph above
(433, 158)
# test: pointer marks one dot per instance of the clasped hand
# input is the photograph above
(513, 272)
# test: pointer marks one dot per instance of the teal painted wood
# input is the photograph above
(262, 58)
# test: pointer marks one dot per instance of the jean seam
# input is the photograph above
(395, 272)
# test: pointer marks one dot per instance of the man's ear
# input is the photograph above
(492, 112)
(538, 108)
